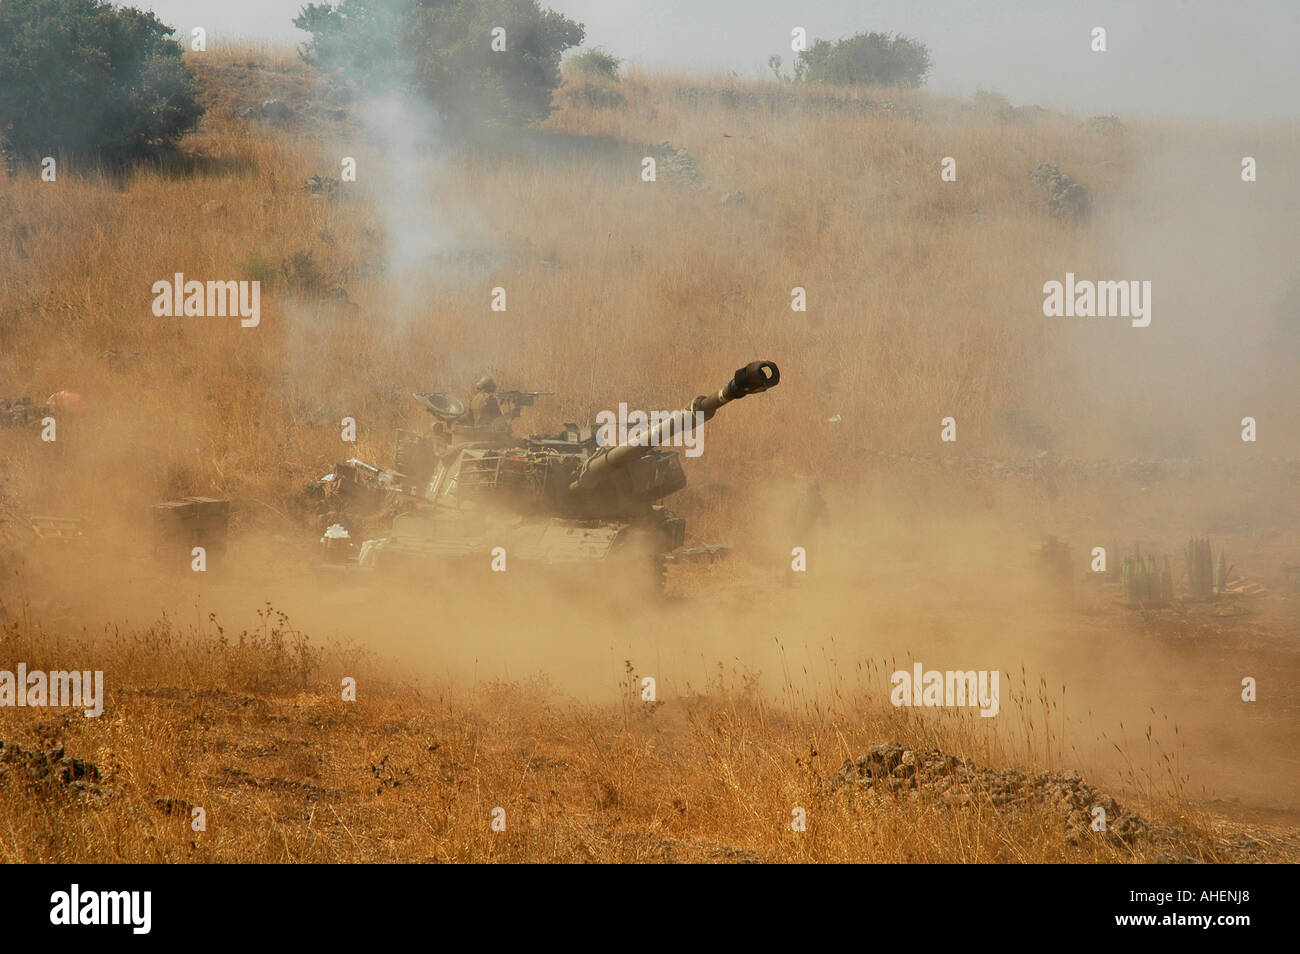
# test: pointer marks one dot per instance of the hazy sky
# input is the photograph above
(1224, 58)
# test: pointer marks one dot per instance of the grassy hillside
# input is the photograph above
(924, 297)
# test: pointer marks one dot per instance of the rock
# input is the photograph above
(170, 806)
(23, 412)
(680, 165)
(51, 768)
(956, 781)
(601, 97)
(320, 185)
(1069, 199)
(276, 110)
(340, 94)
(1105, 125)
(879, 762)
(1168, 858)
(1022, 114)
(212, 207)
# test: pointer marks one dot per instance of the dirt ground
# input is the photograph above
(545, 673)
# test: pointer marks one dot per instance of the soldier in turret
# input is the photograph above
(484, 408)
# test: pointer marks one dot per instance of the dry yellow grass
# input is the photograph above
(284, 771)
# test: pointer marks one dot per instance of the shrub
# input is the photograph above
(596, 64)
(441, 50)
(991, 101)
(85, 79)
(865, 59)
(257, 267)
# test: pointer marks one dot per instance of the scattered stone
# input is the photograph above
(600, 97)
(276, 110)
(231, 777)
(320, 185)
(340, 94)
(173, 806)
(22, 412)
(678, 164)
(119, 358)
(50, 769)
(779, 101)
(1246, 844)
(213, 207)
(1023, 114)
(600, 841)
(890, 768)
(1102, 125)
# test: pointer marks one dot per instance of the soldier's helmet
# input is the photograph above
(485, 383)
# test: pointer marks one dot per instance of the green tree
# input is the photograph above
(84, 78)
(596, 64)
(442, 50)
(865, 59)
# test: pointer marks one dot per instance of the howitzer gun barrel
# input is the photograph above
(753, 378)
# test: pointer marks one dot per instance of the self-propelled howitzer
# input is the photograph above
(558, 500)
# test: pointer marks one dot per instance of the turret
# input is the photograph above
(753, 378)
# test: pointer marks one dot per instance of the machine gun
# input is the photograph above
(522, 398)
